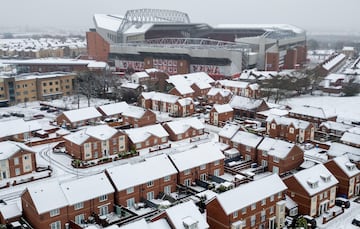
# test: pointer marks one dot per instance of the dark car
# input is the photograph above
(342, 202)
(311, 221)
(44, 108)
(356, 221)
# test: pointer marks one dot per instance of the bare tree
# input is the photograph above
(88, 84)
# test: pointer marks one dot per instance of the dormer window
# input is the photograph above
(325, 177)
(350, 166)
(190, 223)
(313, 183)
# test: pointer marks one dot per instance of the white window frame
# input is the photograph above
(129, 190)
(103, 198)
(79, 205)
(54, 212)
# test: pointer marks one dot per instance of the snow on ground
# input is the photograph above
(347, 108)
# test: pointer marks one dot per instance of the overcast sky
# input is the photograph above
(312, 15)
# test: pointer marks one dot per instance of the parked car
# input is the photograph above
(44, 108)
(342, 202)
(356, 221)
(51, 110)
(311, 221)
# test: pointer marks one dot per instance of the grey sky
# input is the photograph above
(312, 15)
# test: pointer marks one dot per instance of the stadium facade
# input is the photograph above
(168, 40)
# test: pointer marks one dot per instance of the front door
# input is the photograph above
(357, 189)
(216, 120)
(323, 207)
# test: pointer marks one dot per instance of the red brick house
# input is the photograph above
(143, 181)
(258, 204)
(16, 159)
(290, 129)
(246, 143)
(279, 156)
(147, 136)
(96, 142)
(206, 159)
(347, 174)
(80, 117)
(227, 132)
(183, 107)
(183, 91)
(218, 96)
(315, 115)
(113, 110)
(220, 114)
(247, 107)
(185, 128)
(240, 88)
(334, 129)
(138, 117)
(73, 200)
(313, 189)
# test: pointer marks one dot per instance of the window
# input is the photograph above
(163, 139)
(272, 198)
(276, 159)
(263, 202)
(271, 211)
(243, 211)
(55, 225)
(187, 172)
(79, 219)
(263, 214)
(217, 162)
(54, 212)
(217, 172)
(187, 182)
(95, 145)
(114, 141)
(273, 126)
(130, 190)
(264, 153)
(253, 220)
(235, 145)
(291, 130)
(103, 210)
(78, 205)
(130, 202)
(103, 198)
(203, 176)
(16, 161)
(253, 206)
(325, 195)
(279, 195)
(167, 189)
(248, 148)
(321, 196)
(17, 171)
(235, 215)
(167, 178)
(202, 167)
(150, 195)
(179, 136)
(44, 84)
(150, 184)
(138, 145)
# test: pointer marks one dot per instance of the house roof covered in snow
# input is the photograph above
(140, 134)
(141, 172)
(9, 148)
(199, 155)
(274, 112)
(201, 79)
(318, 112)
(297, 123)
(181, 126)
(233, 83)
(337, 149)
(276, 147)
(351, 138)
(339, 126)
(229, 130)
(158, 96)
(222, 108)
(349, 168)
(246, 138)
(223, 92)
(101, 132)
(328, 65)
(18, 126)
(245, 103)
(250, 193)
(113, 108)
(185, 101)
(186, 213)
(315, 179)
(87, 188)
(41, 193)
(11, 210)
(82, 114)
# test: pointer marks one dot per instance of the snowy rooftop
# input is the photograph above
(275, 147)
(87, 188)
(228, 130)
(18, 126)
(318, 112)
(50, 61)
(222, 108)
(315, 179)
(130, 85)
(351, 138)
(114, 108)
(134, 111)
(336, 126)
(163, 97)
(101, 132)
(274, 112)
(41, 193)
(142, 172)
(233, 83)
(250, 193)
(10, 211)
(244, 103)
(108, 21)
(9, 148)
(333, 77)
(82, 114)
(246, 138)
(201, 79)
(185, 101)
(223, 92)
(199, 155)
(334, 61)
(139, 75)
(97, 64)
(186, 213)
(297, 123)
(140, 134)
(348, 167)
(337, 149)
(181, 126)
